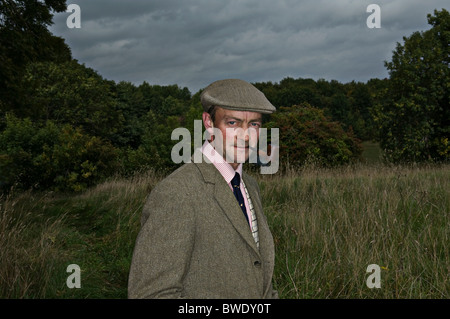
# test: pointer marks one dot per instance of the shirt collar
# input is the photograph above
(219, 162)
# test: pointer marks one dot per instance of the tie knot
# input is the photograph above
(236, 181)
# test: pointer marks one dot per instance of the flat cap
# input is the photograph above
(236, 95)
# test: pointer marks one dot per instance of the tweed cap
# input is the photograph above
(236, 95)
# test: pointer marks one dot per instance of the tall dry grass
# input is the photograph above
(329, 225)
(42, 233)
(28, 253)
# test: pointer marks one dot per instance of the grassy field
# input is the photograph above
(328, 226)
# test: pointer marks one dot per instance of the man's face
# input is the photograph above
(240, 132)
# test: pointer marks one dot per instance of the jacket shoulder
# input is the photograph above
(173, 191)
(181, 178)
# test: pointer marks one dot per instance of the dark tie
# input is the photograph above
(235, 183)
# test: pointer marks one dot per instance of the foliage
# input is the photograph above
(414, 122)
(134, 103)
(350, 104)
(24, 38)
(155, 150)
(71, 93)
(63, 126)
(307, 135)
(52, 156)
(130, 102)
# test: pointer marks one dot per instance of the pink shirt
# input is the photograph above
(225, 170)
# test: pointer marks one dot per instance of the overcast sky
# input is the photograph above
(195, 42)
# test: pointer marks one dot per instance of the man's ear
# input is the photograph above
(208, 123)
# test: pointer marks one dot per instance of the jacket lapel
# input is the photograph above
(225, 198)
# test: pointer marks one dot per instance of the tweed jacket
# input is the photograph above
(195, 242)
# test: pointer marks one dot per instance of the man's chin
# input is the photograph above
(236, 157)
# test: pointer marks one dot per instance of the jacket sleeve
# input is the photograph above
(163, 247)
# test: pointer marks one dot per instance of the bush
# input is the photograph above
(52, 156)
(306, 135)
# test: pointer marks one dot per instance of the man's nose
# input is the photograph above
(246, 133)
(243, 133)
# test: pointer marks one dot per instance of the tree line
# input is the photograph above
(65, 127)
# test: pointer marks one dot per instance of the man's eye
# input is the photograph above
(231, 122)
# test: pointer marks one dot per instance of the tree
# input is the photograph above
(359, 117)
(131, 104)
(71, 93)
(350, 104)
(24, 38)
(414, 122)
(156, 146)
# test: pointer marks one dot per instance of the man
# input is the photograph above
(203, 231)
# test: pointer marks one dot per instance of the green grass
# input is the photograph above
(328, 226)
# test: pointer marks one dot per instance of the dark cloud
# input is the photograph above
(192, 43)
